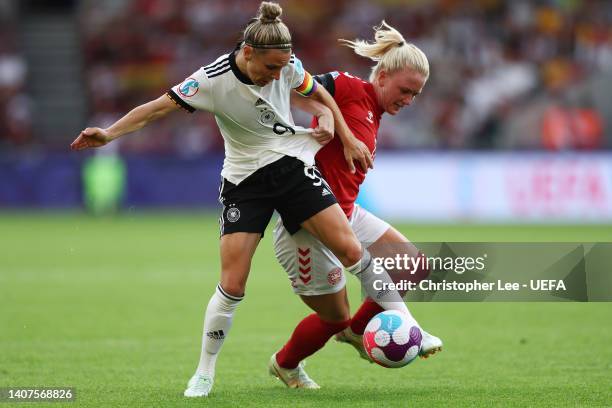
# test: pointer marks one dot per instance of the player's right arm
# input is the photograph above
(136, 119)
(195, 92)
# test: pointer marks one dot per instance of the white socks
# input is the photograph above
(387, 299)
(217, 323)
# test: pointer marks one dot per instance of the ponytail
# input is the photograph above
(390, 51)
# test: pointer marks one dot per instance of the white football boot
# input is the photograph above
(347, 336)
(430, 345)
(292, 377)
(199, 386)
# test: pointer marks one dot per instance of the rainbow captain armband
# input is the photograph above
(309, 85)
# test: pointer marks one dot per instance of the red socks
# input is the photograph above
(367, 311)
(310, 335)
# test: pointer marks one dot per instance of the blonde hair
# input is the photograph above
(267, 30)
(390, 51)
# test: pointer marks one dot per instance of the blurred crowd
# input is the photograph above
(15, 107)
(504, 74)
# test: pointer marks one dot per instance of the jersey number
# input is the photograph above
(281, 129)
(313, 173)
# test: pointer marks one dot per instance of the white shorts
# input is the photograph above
(312, 268)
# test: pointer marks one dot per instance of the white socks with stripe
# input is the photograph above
(387, 299)
(217, 323)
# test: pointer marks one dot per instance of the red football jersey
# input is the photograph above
(357, 101)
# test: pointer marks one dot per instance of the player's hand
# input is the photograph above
(358, 152)
(90, 137)
(324, 133)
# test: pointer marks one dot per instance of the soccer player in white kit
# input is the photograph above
(314, 272)
(269, 164)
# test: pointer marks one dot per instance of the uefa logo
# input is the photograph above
(189, 87)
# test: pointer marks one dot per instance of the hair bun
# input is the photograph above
(269, 12)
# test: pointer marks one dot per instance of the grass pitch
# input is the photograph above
(114, 307)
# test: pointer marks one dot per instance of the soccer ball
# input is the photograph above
(392, 339)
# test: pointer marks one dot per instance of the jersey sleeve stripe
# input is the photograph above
(308, 85)
(176, 99)
(216, 64)
(216, 68)
(223, 71)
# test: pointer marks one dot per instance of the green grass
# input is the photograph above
(114, 306)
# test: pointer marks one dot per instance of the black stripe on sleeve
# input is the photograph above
(327, 80)
(223, 71)
(176, 99)
(214, 65)
(216, 68)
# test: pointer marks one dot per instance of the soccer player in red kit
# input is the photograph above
(315, 274)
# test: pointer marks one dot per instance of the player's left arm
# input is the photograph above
(324, 132)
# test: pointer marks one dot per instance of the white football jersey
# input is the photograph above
(255, 122)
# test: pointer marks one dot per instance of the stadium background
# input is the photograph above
(107, 257)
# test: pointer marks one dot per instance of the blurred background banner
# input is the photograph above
(492, 187)
(513, 125)
(405, 186)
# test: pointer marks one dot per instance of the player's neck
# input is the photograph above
(241, 62)
(378, 92)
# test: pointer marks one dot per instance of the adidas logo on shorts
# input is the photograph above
(217, 334)
(325, 192)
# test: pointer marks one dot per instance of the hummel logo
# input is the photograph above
(217, 335)
(325, 192)
(260, 102)
(370, 116)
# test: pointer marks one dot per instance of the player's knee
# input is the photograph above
(233, 279)
(353, 253)
(233, 288)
